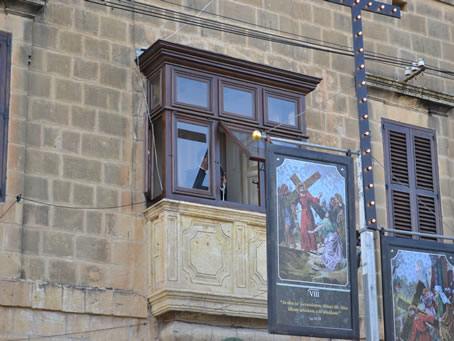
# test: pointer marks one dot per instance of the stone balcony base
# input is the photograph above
(206, 259)
(179, 300)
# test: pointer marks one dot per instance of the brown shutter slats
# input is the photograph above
(423, 163)
(427, 216)
(401, 210)
(412, 179)
(398, 151)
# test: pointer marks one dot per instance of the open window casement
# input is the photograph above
(242, 164)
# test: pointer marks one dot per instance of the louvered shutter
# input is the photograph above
(399, 180)
(426, 188)
(411, 179)
(5, 64)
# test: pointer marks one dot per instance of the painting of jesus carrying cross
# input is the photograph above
(311, 222)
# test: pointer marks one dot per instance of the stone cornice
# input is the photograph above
(70, 299)
(209, 303)
(434, 98)
(24, 8)
(205, 211)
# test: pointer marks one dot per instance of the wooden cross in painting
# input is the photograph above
(357, 6)
(308, 182)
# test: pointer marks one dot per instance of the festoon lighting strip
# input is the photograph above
(357, 6)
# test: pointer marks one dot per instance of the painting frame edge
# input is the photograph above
(386, 243)
(273, 151)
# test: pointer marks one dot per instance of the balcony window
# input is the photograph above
(204, 108)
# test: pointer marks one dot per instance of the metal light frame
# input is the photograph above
(357, 6)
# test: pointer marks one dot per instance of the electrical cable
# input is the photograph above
(260, 26)
(372, 55)
(188, 19)
(309, 109)
(82, 207)
(7, 210)
(151, 123)
(75, 333)
(181, 27)
(218, 26)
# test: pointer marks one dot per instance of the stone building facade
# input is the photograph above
(84, 253)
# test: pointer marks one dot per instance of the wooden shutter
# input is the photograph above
(426, 182)
(5, 66)
(411, 178)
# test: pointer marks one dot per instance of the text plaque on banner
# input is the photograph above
(311, 244)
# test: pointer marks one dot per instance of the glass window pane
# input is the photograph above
(155, 92)
(238, 102)
(192, 156)
(282, 111)
(241, 175)
(157, 162)
(192, 91)
(256, 148)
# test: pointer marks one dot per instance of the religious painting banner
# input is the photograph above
(311, 244)
(418, 289)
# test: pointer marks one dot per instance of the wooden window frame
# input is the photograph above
(196, 76)
(261, 165)
(240, 86)
(411, 189)
(299, 114)
(158, 105)
(171, 60)
(210, 193)
(5, 78)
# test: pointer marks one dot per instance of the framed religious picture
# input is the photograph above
(418, 289)
(311, 244)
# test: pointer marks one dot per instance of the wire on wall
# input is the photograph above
(309, 43)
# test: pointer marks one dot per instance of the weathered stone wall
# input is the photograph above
(76, 131)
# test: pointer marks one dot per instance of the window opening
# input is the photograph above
(241, 165)
(401, 3)
(195, 93)
(412, 179)
(193, 156)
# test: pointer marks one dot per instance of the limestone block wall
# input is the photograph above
(76, 139)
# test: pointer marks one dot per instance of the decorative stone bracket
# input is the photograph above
(206, 259)
(25, 8)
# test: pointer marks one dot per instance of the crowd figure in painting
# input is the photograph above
(429, 316)
(327, 235)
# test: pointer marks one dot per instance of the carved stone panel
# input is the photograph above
(240, 255)
(206, 253)
(206, 259)
(172, 247)
(257, 259)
